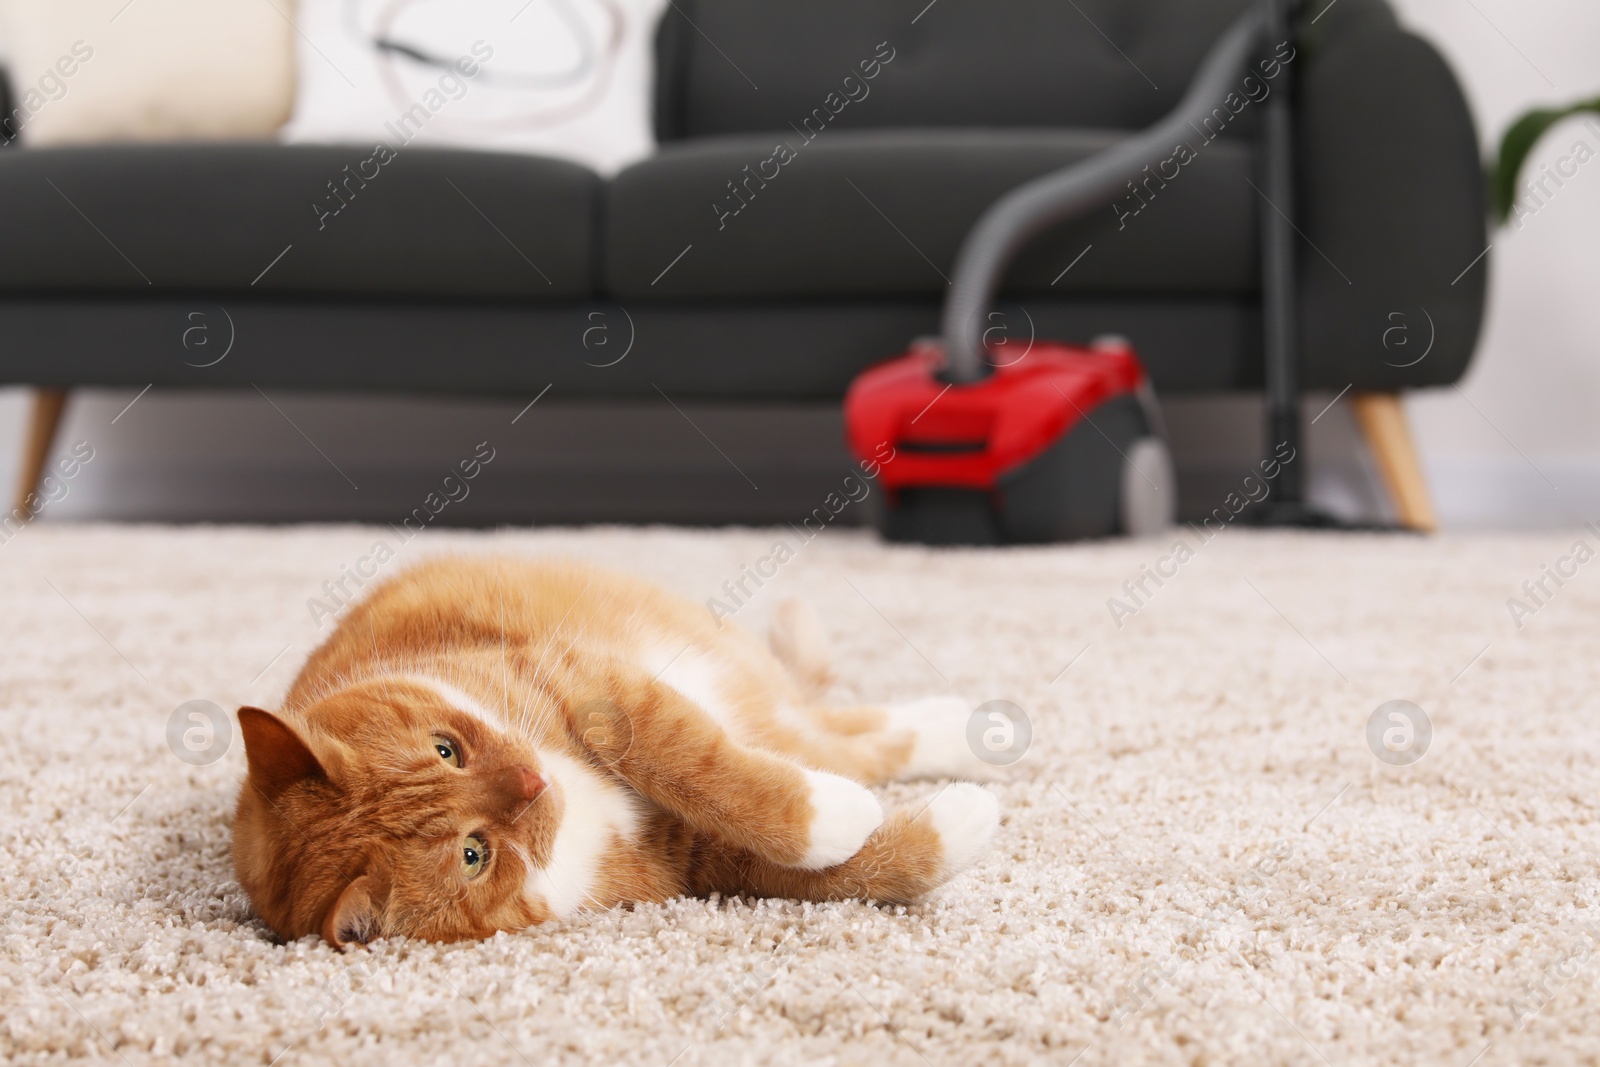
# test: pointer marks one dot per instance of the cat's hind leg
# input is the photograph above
(929, 738)
(918, 848)
(926, 738)
(799, 642)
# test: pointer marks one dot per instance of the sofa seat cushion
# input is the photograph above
(272, 218)
(884, 212)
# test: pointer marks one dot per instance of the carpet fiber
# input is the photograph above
(1202, 860)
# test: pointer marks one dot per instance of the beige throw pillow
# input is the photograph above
(145, 70)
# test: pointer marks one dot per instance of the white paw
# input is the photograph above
(844, 815)
(940, 747)
(966, 817)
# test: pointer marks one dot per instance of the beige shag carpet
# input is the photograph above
(1202, 861)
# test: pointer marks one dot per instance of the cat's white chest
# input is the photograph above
(596, 813)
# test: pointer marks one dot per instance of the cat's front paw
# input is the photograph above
(843, 815)
(966, 817)
(941, 745)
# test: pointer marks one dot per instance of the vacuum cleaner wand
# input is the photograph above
(1281, 328)
(1286, 506)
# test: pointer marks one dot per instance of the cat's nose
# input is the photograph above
(521, 783)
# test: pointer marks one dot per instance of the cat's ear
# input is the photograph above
(354, 917)
(277, 755)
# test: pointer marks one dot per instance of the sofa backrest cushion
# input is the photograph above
(737, 66)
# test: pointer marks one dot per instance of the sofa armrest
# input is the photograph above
(1393, 205)
(8, 131)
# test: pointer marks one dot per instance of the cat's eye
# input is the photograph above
(447, 749)
(474, 854)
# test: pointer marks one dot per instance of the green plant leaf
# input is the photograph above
(1518, 142)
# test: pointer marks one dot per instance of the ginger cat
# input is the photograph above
(488, 744)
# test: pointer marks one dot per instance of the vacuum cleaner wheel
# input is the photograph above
(1149, 488)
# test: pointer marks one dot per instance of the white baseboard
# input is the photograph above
(1509, 492)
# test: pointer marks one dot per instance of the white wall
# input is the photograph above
(1525, 417)
(1535, 386)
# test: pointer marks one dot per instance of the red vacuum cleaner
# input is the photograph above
(970, 445)
(1062, 443)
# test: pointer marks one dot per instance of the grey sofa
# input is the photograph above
(740, 275)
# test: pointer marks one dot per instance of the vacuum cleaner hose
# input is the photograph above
(1021, 214)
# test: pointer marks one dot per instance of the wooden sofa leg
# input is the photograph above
(45, 419)
(1383, 423)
